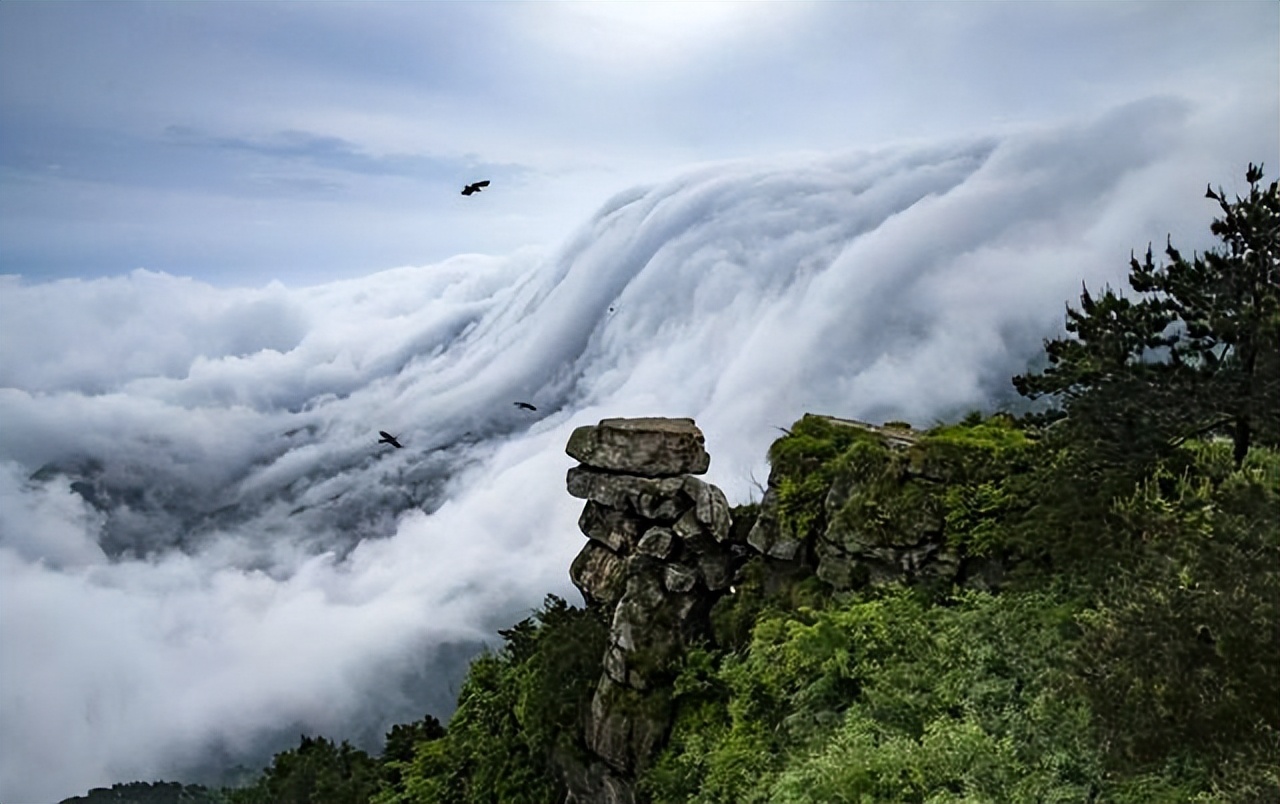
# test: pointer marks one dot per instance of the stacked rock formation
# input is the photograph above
(657, 559)
(882, 528)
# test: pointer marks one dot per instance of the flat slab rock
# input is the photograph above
(649, 447)
(659, 499)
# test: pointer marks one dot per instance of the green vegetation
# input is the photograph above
(805, 463)
(518, 708)
(315, 771)
(1152, 680)
(1130, 652)
(888, 698)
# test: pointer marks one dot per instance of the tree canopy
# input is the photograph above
(1196, 353)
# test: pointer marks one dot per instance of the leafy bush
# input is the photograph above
(1181, 647)
(314, 772)
(517, 709)
(888, 699)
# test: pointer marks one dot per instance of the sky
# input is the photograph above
(233, 248)
(243, 142)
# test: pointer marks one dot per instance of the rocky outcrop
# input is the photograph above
(650, 447)
(882, 517)
(853, 503)
(877, 538)
(658, 556)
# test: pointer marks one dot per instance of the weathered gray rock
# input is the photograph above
(613, 528)
(687, 527)
(626, 728)
(840, 570)
(766, 536)
(695, 536)
(878, 535)
(709, 506)
(658, 499)
(648, 629)
(782, 549)
(883, 566)
(646, 447)
(643, 597)
(657, 542)
(679, 578)
(600, 574)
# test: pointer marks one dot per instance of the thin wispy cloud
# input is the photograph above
(339, 156)
(240, 143)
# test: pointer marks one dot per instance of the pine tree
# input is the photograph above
(1196, 354)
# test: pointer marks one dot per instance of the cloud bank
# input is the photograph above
(204, 550)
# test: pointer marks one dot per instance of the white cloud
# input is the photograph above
(48, 522)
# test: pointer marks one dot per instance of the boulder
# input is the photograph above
(646, 447)
(599, 574)
(656, 542)
(709, 506)
(767, 537)
(679, 578)
(657, 499)
(614, 529)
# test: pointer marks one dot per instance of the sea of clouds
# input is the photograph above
(204, 550)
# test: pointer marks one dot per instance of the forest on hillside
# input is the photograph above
(1123, 647)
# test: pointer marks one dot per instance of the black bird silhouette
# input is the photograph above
(475, 188)
(524, 406)
(387, 438)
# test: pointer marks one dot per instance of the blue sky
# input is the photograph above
(243, 142)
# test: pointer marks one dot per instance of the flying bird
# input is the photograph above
(524, 406)
(387, 438)
(475, 188)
